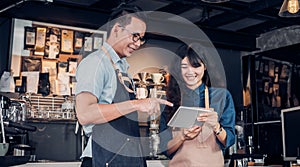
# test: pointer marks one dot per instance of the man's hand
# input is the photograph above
(150, 105)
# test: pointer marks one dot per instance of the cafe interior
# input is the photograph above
(257, 43)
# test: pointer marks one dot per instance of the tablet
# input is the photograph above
(186, 117)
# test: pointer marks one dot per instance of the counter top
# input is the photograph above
(150, 163)
(157, 163)
(41, 120)
(50, 164)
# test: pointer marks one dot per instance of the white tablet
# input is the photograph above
(186, 117)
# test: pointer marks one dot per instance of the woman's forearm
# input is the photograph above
(221, 134)
(175, 143)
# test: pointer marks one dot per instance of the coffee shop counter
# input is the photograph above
(55, 140)
(150, 163)
(51, 121)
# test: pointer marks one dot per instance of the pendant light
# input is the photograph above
(289, 8)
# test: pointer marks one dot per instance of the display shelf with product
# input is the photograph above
(52, 49)
(270, 85)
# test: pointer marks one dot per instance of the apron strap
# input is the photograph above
(206, 97)
(120, 76)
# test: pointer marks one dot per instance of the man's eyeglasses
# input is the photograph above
(135, 36)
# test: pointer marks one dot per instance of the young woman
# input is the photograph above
(198, 145)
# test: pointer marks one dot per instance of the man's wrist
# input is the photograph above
(134, 104)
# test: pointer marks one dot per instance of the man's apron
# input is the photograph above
(117, 142)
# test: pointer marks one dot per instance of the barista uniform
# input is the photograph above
(117, 142)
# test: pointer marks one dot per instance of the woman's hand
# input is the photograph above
(210, 119)
(181, 136)
(191, 133)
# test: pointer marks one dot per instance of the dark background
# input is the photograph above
(233, 27)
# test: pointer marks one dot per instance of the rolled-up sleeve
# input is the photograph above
(227, 121)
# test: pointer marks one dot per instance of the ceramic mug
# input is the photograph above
(141, 93)
(157, 78)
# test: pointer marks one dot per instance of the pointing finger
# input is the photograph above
(162, 101)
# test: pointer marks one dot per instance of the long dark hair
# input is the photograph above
(196, 55)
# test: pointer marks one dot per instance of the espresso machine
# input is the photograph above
(14, 132)
(4, 106)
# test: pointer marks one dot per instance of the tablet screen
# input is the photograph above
(186, 117)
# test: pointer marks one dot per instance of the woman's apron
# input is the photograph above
(117, 143)
(199, 153)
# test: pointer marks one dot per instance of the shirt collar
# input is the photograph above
(121, 63)
(114, 56)
(201, 88)
(197, 91)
